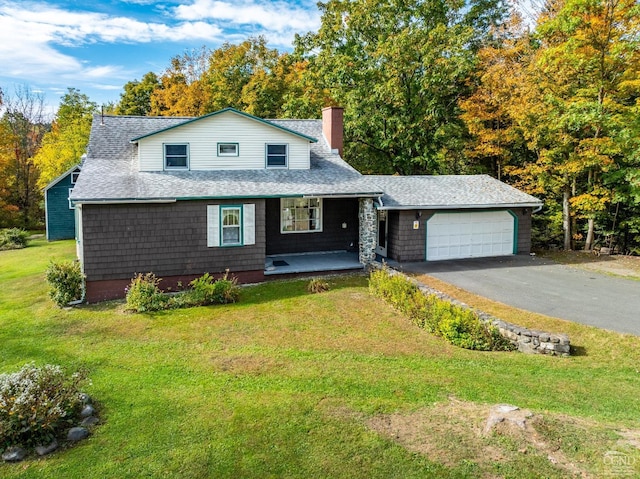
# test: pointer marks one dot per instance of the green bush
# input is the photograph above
(66, 282)
(457, 325)
(206, 290)
(13, 238)
(37, 404)
(143, 294)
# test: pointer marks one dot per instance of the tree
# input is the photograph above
(587, 71)
(399, 68)
(136, 98)
(22, 126)
(66, 142)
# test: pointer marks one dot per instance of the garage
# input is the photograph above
(470, 235)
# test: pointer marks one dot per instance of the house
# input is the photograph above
(59, 212)
(184, 196)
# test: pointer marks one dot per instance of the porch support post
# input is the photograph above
(368, 231)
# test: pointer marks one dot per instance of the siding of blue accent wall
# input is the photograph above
(60, 220)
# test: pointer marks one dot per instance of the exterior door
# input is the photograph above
(383, 232)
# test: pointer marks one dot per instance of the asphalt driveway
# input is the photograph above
(542, 286)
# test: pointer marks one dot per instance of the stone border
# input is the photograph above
(525, 340)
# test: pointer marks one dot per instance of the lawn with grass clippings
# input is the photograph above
(286, 384)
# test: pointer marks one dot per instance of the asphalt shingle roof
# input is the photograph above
(110, 173)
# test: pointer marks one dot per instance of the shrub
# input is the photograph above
(66, 282)
(206, 290)
(13, 238)
(37, 404)
(143, 294)
(317, 285)
(457, 325)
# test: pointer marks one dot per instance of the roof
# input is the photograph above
(110, 174)
(110, 171)
(448, 192)
(237, 112)
(57, 180)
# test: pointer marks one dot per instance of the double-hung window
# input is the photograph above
(301, 215)
(231, 221)
(277, 155)
(176, 156)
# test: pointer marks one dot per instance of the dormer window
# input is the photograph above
(176, 156)
(227, 149)
(277, 156)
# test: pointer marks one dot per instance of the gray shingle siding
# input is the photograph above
(332, 238)
(166, 239)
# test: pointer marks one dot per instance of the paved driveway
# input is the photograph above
(540, 285)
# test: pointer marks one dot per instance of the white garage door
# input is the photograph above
(470, 235)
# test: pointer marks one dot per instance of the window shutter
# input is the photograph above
(249, 223)
(213, 225)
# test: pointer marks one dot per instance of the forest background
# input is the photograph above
(550, 105)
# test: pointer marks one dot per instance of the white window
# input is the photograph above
(176, 156)
(301, 215)
(71, 207)
(230, 218)
(231, 225)
(277, 156)
(227, 149)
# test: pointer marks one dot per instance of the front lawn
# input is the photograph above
(291, 384)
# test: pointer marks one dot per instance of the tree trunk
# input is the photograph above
(588, 245)
(566, 217)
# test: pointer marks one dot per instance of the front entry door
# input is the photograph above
(383, 230)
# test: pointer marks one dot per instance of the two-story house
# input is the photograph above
(230, 191)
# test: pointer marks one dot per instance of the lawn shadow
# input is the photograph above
(578, 350)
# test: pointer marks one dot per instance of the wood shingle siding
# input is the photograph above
(166, 239)
(204, 135)
(332, 237)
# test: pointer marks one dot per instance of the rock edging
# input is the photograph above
(526, 340)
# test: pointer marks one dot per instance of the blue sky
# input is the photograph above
(97, 46)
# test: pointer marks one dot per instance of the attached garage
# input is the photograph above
(471, 235)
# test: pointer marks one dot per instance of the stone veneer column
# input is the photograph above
(368, 231)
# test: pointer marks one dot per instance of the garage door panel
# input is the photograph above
(470, 235)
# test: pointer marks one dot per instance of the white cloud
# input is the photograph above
(272, 16)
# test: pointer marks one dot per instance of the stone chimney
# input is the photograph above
(332, 127)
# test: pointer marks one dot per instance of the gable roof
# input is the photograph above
(57, 180)
(110, 173)
(225, 110)
(448, 192)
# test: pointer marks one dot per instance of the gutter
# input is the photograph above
(538, 206)
(121, 202)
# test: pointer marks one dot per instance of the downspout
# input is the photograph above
(537, 209)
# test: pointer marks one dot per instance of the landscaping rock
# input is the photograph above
(44, 450)
(512, 415)
(89, 421)
(87, 411)
(77, 434)
(14, 454)
(85, 398)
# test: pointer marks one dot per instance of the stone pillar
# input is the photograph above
(368, 231)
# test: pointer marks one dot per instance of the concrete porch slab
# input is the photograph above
(311, 262)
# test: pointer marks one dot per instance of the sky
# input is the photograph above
(97, 46)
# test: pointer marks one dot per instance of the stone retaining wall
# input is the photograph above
(526, 340)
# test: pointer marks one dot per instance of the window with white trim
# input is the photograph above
(277, 155)
(228, 149)
(74, 177)
(176, 156)
(71, 207)
(230, 226)
(301, 215)
(233, 225)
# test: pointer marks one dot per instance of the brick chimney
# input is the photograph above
(332, 127)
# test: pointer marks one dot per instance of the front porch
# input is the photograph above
(316, 262)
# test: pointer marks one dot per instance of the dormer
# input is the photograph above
(225, 140)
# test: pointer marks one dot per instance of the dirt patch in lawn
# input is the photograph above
(495, 439)
(618, 265)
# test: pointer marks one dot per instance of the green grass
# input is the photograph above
(282, 384)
